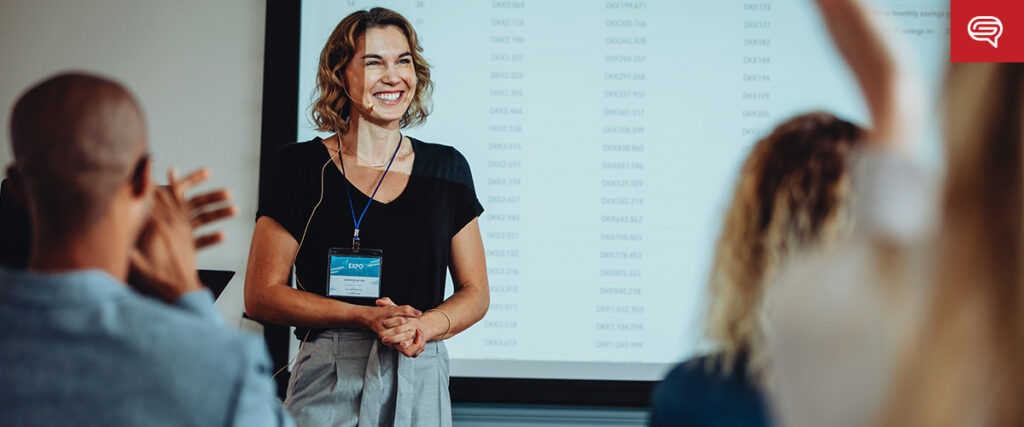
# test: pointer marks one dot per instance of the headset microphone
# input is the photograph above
(368, 106)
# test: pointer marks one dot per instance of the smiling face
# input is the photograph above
(381, 76)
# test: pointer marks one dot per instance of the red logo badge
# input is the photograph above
(986, 31)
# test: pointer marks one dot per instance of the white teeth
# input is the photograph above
(391, 96)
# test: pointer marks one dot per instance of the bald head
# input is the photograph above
(77, 139)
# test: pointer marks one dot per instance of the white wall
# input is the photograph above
(195, 65)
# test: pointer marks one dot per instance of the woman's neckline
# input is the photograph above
(413, 142)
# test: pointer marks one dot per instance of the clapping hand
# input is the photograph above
(163, 263)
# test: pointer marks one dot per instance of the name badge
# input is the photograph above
(354, 274)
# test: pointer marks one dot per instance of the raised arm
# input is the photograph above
(891, 96)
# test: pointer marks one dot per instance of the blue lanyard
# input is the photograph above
(355, 236)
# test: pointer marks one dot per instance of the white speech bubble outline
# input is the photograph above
(988, 30)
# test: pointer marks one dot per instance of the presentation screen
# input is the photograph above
(604, 139)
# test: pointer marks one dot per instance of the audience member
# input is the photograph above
(791, 195)
(80, 346)
(964, 364)
(902, 325)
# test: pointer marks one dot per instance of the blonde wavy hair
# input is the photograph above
(792, 193)
(967, 365)
(332, 108)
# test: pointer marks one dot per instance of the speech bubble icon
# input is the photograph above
(985, 29)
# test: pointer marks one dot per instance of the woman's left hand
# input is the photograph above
(466, 306)
(403, 334)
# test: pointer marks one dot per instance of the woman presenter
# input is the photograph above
(372, 220)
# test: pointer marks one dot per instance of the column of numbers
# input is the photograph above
(506, 59)
(756, 65)
(619, 308)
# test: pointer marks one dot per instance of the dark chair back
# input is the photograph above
(15, 230)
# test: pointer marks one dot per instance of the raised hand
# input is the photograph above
(163, 263)
(895, 99)
(205, 208)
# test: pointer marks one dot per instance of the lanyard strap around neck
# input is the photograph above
(356, 222)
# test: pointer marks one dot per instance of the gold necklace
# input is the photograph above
(373, 165)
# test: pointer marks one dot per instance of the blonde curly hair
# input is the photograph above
(791, 193)
(332, 107)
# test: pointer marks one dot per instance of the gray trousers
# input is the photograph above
(348, 378)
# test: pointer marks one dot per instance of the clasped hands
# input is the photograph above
(399, 327)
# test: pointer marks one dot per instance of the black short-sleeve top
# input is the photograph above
(414, 230)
